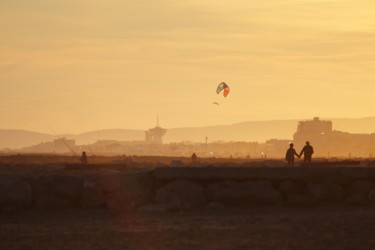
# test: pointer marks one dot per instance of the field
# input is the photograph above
(231, 228)
(253, 227)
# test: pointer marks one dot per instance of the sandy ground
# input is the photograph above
(333, 227)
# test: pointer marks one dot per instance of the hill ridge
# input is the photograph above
(242, 131)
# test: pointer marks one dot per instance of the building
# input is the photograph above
(332, 143)
(59, 146)
(317, 132)
(155, 135)
(276, 148)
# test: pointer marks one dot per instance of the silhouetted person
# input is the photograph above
(307, 152)
(194, 157)
(290, 153)
(84, 158)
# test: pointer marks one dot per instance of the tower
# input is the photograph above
(155, 135)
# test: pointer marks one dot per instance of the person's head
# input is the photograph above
(291, 145)
(83, 153)
(307, 143)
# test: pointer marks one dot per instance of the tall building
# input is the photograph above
(314, 127)
(317, 132)
(155, 135)
(328, 142)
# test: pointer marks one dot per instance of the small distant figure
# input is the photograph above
(194, 157)
(307, 152)
(84, 158)
(290, 153)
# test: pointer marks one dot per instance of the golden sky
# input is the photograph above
(78, 65)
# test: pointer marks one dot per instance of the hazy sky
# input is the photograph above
(78, 65)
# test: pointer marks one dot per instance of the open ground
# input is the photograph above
(233, 228)
(331, 226)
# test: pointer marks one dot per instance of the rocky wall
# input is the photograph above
(186, 188)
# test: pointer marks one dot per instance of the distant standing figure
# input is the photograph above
(84, 158)
(194, 157)
(307, 152)
(290, 153)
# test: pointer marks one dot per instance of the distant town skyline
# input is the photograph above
(81, 65)
(320, 133)
(256, 131)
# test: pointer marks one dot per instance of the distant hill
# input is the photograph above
(109, 134)
(359, 125)
(263, 130)
(245, 131)
(15, 138)
(11, 138)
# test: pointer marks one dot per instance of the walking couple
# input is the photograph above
(307, 152)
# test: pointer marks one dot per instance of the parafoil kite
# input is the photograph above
(223, 86)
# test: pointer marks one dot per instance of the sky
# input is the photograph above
(79, 65)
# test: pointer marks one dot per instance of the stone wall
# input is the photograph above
(186, 188)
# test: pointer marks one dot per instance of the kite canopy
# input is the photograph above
(223, 86)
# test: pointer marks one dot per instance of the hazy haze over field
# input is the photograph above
(259, 131)
(83, 65)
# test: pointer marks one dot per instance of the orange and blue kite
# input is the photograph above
(222, 86)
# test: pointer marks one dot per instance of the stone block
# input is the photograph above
(15, 193)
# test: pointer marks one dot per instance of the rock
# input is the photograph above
(354, 173)
(110, 182)
(215, 206)
(66, 186)
(227, 164)
(133, 164)
(290, 187)
(15, 194)
(50, 201)
(196, 164)
(360, 188)
(181, 195)
(73, 166)
(160, 207)
(325, 191)
(212, 189)
(127, 191)
(371, 196)
(273, 163)
(296, 200)
(176, 163)
(239, 173)
(91, 195)
(47, 197)
(357, 200)
(130, 197)
(251, 192)
(113, 182)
